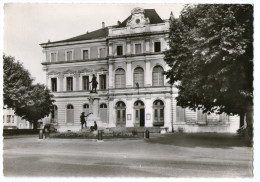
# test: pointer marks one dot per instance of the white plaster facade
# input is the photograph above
(130, 46)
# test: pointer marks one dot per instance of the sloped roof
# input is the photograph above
(100, 33)
(150, 13)
(103, 32)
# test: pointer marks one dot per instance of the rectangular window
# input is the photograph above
(138, 49)
(85, 82)
(157, 46)
(102, 52)
(12, 119)
(119, 50)
(53, 57)
(69, 84)
(3, 118)
(69, 55)
(85, 55)
(102, 82)
(54, 84)
(8, 118)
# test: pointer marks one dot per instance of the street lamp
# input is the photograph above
(137, 85)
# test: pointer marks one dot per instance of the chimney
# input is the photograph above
(118, 22)
(103, 24)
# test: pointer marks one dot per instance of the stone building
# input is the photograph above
(12, 121)
(127, 60)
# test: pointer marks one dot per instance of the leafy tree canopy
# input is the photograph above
(211, 57)
(29, 101)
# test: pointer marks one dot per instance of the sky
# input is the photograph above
(29, 24)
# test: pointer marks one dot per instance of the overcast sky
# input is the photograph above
(27, 25)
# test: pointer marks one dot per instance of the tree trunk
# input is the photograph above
(242, 120)
(249, 121)
(35, 123)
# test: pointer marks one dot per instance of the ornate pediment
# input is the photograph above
(53, 73)
(85, 70)
(69, 72)
(137, 18)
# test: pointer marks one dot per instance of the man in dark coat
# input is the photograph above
(82, 120)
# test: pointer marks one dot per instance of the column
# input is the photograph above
(64, 83)
(90, 78)
(111, 122)
(110, 49)
(111, 73)
(167, 113)
(128, 47)
(129, 113)
(148, 75)
(76, 84)
(147, 45)
(129, 76)
(148, 112)
(60, 78)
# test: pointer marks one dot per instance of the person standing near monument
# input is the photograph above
(82, 120)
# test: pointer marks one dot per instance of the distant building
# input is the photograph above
(127, 60)
(11, 121)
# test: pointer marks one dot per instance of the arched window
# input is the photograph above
(103, 112)
(70, 113)
(158, 76)
(139, 76)
(120, 78)
(158, 108)
(54, 114)
(86, 108)
(120, 114)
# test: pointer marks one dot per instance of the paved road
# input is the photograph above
(174, 155)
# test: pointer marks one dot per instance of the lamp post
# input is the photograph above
(137, 85)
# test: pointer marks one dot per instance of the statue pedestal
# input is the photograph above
(94, 108)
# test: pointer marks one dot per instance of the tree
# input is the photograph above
(29, 101)
(211, 59)
(17, 80)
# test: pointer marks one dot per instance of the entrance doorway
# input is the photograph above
(120, 114)
(139, 113)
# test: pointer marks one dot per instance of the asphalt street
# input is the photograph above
(172, 155)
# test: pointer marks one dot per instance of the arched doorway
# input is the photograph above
(139, 113)
(158, 108)
(54, 114)
(120, 114)
(103, 112)
(70, 113)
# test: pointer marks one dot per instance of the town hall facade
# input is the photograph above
(128, 61)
